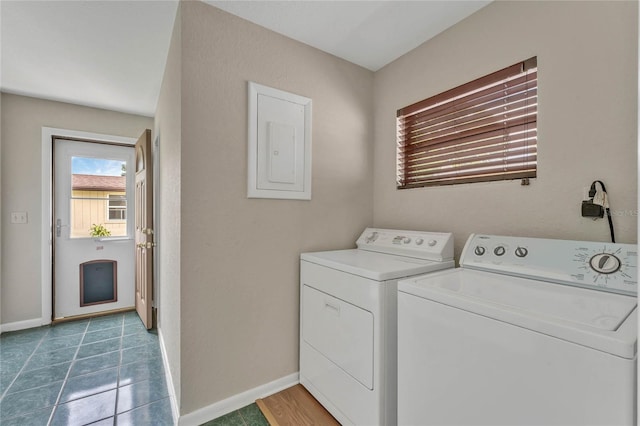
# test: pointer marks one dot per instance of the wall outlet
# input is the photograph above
(19, 217)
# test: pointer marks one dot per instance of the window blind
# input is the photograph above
(481, 131)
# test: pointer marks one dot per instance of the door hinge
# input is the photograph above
(146, 245)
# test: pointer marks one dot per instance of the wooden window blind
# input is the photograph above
(481, 131)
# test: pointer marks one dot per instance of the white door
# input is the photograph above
(94, 255)
(144, 229)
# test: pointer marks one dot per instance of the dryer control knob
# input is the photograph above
(499, 251)
(521, 251)
(406, 240)
(432, 243)
(419, 241)
(605, 263)
(479, 250)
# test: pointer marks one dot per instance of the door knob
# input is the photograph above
(59, 227)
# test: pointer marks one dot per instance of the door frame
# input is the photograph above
(47, 203)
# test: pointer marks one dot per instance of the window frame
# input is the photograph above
(122, 209)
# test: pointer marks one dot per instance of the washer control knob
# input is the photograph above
(499, 251)
(479, 250)
(371, 238)
(432, 243)
(419, 241)
(406, 240)
(521, 251)
(605, 263)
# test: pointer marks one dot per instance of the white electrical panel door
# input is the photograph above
(279, 144)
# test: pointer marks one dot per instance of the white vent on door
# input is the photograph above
(279, 144)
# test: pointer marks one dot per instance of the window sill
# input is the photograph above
(113, 239)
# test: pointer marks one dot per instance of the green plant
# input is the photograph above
(99, 231)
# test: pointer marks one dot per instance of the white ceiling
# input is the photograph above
(111, 54)
(106, 54)
(368, 33)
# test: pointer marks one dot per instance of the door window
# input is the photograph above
(98, 197)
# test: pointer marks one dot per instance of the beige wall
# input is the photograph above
(21, 126)
(587, 65)
(168, 206)
(240, 257)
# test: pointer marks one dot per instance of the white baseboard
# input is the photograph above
(238, 401)
(175, 409)
(21, 325)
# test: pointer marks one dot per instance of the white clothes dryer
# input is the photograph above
(526, 332)
(348, 315)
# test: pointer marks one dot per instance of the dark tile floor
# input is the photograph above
(247, 416)
(103, 371)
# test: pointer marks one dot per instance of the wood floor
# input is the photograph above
(294, 406)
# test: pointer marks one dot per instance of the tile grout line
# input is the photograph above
(22, 370)
(115, 408)
(72, 361)
(119, 350)
(24, 365)
(131, 384)
(66, 377)
(242, 418)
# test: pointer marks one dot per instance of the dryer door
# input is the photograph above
(340, 331)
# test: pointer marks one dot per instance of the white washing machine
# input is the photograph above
(526, 332)
(348, 319)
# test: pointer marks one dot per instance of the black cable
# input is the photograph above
(592, 193)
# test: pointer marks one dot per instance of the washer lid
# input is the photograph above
(603, 321)
(372, 265)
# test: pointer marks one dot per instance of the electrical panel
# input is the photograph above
(279, 144)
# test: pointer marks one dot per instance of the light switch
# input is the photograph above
(19, 217)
